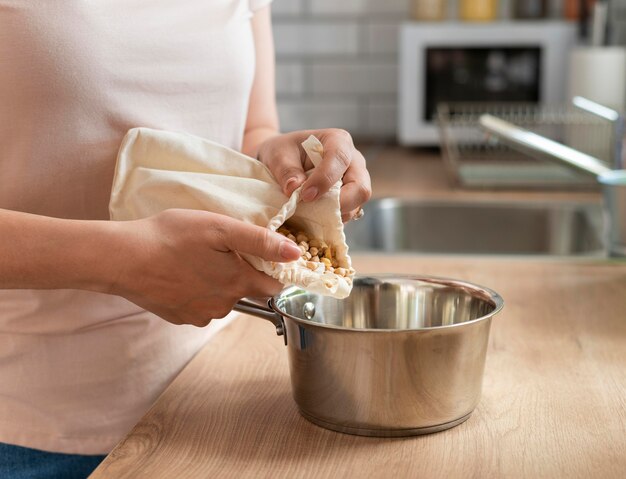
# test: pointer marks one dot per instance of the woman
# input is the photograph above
(96, 316)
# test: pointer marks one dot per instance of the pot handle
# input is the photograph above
(261, 308)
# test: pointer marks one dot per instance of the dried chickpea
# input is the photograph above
(316, 252)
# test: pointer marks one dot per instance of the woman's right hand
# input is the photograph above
(184, 266)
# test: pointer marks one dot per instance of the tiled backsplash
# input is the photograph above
(336, 63)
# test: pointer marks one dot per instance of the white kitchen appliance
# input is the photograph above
(496, 62)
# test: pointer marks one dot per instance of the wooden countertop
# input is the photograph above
(553, 404)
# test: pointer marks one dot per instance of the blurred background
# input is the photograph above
(476, 117)
(339, 62)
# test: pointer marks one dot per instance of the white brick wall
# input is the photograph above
(336, 64)
(353, 77)
(290, 78)
(357, 7)
(287, 7)
(381, 118)
(302, 113)
(381, 37)
(304, 39)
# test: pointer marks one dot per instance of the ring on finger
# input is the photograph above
(358, 215)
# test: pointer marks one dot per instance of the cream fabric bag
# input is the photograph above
(157, 170)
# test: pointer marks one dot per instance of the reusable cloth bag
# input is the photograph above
(157, 170)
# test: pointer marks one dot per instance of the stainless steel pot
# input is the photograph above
(401, 356)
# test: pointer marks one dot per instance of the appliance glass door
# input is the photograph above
(479, 74)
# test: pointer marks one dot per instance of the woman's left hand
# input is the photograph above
(287, 160)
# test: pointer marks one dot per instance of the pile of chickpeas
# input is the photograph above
(316, 252)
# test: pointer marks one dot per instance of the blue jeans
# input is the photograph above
(18, 462)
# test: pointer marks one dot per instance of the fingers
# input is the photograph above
(261, 285)
(284, 161)
(357, 186)
(234, 235)
(338, 154)
(288, 171)
(341, 160)
(345, 217)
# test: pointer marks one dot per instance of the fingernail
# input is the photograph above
(310, 193)
(289, 250)
(289, 185)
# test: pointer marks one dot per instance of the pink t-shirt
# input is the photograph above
(78, 369)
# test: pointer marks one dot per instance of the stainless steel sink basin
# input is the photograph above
(449, 227)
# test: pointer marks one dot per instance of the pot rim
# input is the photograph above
(484, 293)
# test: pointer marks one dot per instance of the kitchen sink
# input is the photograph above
(478, 227)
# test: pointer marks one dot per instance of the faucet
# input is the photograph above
(613, 181)
(539, 146)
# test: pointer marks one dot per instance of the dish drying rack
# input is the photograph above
(475, 159)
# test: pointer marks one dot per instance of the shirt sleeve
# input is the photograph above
(258, 4)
